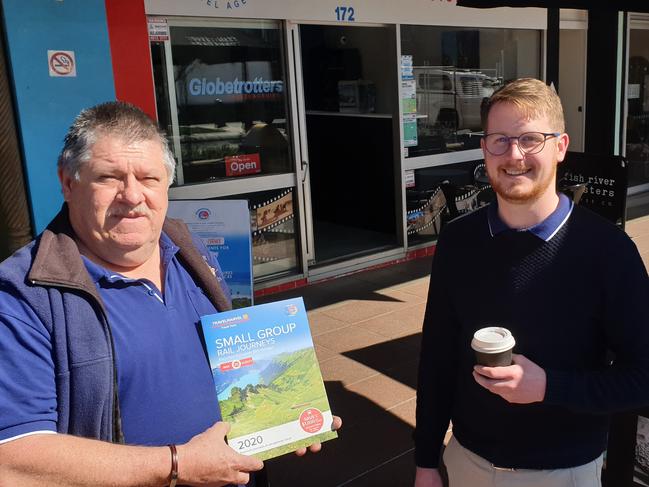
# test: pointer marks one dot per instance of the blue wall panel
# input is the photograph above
(47, 105)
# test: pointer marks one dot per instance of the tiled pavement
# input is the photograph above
(366, 329)
(638, 230)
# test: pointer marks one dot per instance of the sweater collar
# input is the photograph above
(544, 230)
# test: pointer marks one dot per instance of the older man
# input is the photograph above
(98, 327)
(570, 287)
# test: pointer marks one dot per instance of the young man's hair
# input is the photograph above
(532, 97)
(115, 118)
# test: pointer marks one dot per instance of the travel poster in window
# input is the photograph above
(267, 378)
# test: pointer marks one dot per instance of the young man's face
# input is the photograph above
(118, 204)
(518, 177)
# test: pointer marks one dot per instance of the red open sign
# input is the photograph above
(242, 165)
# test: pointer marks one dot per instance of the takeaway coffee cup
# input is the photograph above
(493, 346)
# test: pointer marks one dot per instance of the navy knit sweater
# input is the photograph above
(566, 301)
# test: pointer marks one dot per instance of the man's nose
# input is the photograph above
(514, 149)
(131, 191)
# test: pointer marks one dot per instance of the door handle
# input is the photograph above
(305, 166)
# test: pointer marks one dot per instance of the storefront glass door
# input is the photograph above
(349, 128)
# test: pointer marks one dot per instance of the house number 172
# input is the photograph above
(345, 14)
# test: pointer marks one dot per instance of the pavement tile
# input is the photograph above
(405, 411)
(321, 323)
(642, 242)
(387, 356)
(358, 310)
(413, 316)
(637, 226)
(385, 276)
(393, 325)
(351, 407)
(323, 353)
(402, 297)
(397, 275)
(417, 288)
(405, 373)
(345, 370)
(348, 338)
(384, 391)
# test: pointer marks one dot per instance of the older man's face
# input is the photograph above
(118, 205)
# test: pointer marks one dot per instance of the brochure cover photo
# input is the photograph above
(267, 378)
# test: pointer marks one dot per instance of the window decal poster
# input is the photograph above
(224, 227)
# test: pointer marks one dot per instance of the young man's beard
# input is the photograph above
(512, 194)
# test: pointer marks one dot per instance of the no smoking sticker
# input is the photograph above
(62, 63)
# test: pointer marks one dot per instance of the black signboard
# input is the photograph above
(605, 178)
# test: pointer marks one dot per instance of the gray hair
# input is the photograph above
(115, 118)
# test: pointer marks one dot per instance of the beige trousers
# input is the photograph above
(466, 469)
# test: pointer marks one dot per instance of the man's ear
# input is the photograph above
(562, 146)
(66, 183)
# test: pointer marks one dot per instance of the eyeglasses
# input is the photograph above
(528, 143)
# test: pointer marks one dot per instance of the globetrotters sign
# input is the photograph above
(203, 84)
(242, 165)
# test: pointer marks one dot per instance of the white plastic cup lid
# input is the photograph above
(493, 339)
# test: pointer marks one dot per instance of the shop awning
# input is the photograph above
(613, 5)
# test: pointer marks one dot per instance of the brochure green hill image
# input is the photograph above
(293, 384)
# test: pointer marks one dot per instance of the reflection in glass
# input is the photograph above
(442, 193)
(274, 235)
(273, 223)
(454, 69)
(637, 132)
(230, 99)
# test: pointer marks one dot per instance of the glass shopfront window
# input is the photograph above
(637, 127)
(230, 100)
(221, 97)
(273, 226)
(440, 193)
(453, 69)
(274, 232)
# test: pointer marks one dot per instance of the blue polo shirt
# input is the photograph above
(544, 230)
(166, 391)
(165, 384)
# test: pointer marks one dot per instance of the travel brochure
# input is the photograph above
(267, 378)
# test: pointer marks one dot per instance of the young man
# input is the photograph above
(570, 287)
(98, 327)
